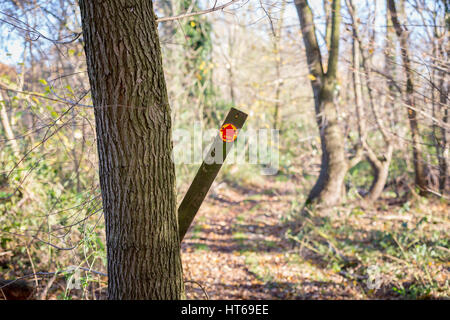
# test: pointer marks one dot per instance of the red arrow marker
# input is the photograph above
(228, 132)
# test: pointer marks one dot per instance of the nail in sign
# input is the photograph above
(228, 132)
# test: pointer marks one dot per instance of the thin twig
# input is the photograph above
(201, 287)
(187, 15)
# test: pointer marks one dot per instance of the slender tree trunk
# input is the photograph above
(230, 66)
(7, 127)
(357, 85)
(328, 15)
(390, 67)
(381, 172)
(380, 165)
(133, 124)
(276, 43)
(419, 164)
(443, 145)
(329, 187)
(443, 157)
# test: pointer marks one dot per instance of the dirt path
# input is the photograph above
(237, 250)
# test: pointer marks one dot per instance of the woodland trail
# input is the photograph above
(237, 249)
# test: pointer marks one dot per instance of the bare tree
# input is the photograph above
(380, 164)
(441, 49)
(419, 163)
(329, 187)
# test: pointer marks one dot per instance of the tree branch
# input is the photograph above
(313, 54)
(334, 45)
(197, 13)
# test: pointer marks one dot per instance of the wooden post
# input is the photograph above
(207, 172)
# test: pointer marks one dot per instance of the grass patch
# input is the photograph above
(201, 247)
(410, 251)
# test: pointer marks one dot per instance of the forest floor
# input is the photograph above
(252, 242)
(242, 246)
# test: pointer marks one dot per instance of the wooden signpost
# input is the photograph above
(209, 169)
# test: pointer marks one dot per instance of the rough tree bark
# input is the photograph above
(133, 124)
(329, 187)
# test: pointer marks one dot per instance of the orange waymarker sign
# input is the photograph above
(228, 132)
(209, 169)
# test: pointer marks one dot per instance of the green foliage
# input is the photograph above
(201, 247)
(359, 177)
(198, 61)
(411, 246)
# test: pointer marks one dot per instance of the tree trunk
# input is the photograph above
(419, 164)
(8, 130)
(381, 171)
(390, 69)
(133, 124)
(442, 146)
(276, 44)
(328, 14)
(443, 155)
(380, 166)
(328, 189)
